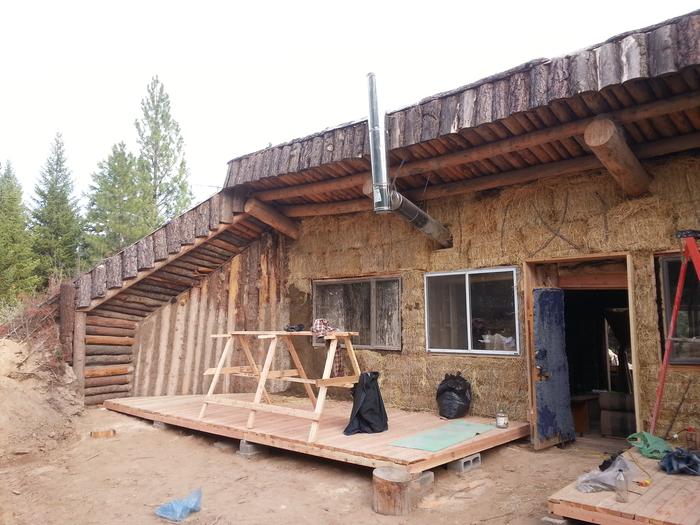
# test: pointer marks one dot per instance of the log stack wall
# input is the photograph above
(122, 298)
(108, 356)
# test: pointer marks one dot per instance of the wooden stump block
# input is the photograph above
(103, 433)
(391, 491)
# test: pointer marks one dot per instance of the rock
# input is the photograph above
(16, 492)
(20, 452)
(52, 435)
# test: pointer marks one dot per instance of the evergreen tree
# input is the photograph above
(56, 223)
(17, 262)
(118, 199)
(162, 158)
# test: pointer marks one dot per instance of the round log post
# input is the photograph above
(391, 491)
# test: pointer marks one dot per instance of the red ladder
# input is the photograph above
(690, 253)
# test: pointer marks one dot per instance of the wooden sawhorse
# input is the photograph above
(294, 375)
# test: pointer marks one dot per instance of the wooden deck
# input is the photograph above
(669, 500)
(371, 450)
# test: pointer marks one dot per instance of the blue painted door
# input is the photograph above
(553, 420)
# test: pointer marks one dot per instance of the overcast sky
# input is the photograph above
(242, 75)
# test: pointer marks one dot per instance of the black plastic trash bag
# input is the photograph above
(368, 412)
(454, 395)
(681, 461)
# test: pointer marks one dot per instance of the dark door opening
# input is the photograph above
(598, 352)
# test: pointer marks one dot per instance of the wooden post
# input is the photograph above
(66, 315)
(233, 272)
(79, 348)
(391, 491)
(262, 379)
(300, 367)
(272, 217)
(215, 379)
(252, 364)
(323, 389)
(608, 143)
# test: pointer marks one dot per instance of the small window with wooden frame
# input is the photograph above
(472, 312)
(686, 343)
(370, 306)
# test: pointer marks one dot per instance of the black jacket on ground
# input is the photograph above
(368, 412)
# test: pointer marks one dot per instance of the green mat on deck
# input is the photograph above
(445, 436)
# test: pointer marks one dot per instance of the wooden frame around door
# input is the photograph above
(533, 279)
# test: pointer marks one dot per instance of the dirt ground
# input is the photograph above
(123, 479)
(38, 400)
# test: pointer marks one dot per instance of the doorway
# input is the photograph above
(580, 348)
(598, 353)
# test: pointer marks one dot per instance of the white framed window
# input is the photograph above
(370, 306)
(472, 312)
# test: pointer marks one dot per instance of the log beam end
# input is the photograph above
(272, 217)
(607, 142)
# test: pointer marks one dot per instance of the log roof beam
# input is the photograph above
(506, 178)
(272, 217)
(607, 142)
(492, 149)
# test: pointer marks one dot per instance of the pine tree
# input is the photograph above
(162, 157)
(117, 202)
(17, 262)
(56, 222)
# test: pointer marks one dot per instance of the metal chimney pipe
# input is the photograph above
(421, 220)
(385, 198)
(381, 194)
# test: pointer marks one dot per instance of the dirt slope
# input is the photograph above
(38, 402)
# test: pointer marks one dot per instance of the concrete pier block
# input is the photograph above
(248, 449)
(462, 465)
(422, 485)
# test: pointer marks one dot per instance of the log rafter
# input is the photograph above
(148, 272)
(518, 143)
(508, 178)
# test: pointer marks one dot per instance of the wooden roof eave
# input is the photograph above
(566, 85)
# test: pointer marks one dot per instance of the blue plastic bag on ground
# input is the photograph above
(179, 509)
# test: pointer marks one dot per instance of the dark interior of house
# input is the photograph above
(600, 369)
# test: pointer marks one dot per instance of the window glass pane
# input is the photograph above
(492, 301)
(387, 312)
(347, 306)
(447, 312)
(688, 324)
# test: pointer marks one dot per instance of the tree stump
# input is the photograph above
(391, 491)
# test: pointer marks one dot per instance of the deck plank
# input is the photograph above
(290, 433)
(669, 500)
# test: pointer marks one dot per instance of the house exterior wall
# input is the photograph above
(554, 218)
(270, 285)
(173, 346)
